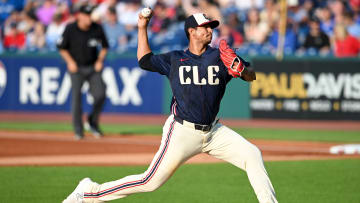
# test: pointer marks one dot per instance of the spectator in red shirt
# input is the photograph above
(14, 39)
(345, 44)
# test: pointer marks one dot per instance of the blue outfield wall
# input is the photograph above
(41, 83)
(296, 88)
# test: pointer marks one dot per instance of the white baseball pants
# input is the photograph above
(181, 142)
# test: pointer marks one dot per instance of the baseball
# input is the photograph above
(146, 12)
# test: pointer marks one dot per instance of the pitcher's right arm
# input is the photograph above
(143, 42)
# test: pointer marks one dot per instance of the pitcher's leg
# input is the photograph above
(227, 145)
(172, 153)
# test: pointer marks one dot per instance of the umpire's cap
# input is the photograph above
(198, 20)
(86, 9)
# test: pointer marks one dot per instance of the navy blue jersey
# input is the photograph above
(198, 83)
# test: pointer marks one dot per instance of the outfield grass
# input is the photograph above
(250, 133)
(301, 135)
(61, 126)
(330, 181)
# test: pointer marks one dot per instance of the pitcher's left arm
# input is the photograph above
(237, 67)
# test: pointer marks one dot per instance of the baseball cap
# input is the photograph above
(198, 20)
(87, 9)
(315, 19)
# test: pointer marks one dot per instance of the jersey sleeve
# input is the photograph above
(246, 63)
(156, 63)
(64, 41)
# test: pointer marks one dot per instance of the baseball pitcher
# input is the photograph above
(198, 77)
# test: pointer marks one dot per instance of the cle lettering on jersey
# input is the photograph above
(211, 80)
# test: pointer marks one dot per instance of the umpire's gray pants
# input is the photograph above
(97, 90)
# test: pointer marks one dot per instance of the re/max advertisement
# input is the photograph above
(43, 84)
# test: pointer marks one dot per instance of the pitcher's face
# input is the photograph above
(203, 34)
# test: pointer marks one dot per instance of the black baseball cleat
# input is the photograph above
(95, 131)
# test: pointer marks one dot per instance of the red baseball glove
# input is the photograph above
(234, 65)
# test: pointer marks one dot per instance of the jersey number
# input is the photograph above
(211, 80)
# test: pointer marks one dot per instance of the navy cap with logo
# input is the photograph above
(86, 9)
(198, 20)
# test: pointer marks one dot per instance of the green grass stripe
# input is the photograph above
(330, 181)
(249, 133)
(301, 135)
(61, 126)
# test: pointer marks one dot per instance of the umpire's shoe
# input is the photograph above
(79, 136)
(94, 129)
(77, 196)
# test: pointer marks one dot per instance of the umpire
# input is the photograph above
(79, 46)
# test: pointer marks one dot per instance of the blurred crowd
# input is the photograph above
(314, 27)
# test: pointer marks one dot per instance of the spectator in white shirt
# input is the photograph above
(54, 31)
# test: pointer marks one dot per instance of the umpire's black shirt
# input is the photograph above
(83, 45)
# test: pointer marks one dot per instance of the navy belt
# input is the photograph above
(204, 128)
